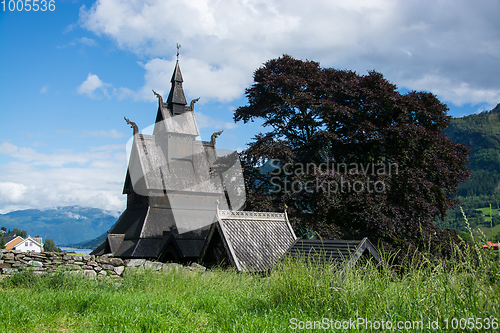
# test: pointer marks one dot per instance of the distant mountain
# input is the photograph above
(65, 225)
(93, 243)
(480, 132)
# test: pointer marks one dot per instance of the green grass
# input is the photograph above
(486, 212)
(226, 301)
(487, 231)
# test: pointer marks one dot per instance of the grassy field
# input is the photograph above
(486, 212)
(293, 296)
(486, 231)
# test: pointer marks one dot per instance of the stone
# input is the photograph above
(89, 272)
(9, 271)
(87, 267)
(34, 255)
(8, 256)
(77, 258)
(86, 257)
(79, 263)
(97, 268)
(135, 262)
(107, 267)
(171, 267)
(103, 273)
(116, 262)
(35, 263)
(4, 265)
(103, 260)
(198, 267)
(119, 270)
(152, 265)
(67, 257)
(72, 267)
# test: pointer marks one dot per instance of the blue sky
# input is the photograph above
(68, 77)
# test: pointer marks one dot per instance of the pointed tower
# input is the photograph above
(176, 100)
(171, 191)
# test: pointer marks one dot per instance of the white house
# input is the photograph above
(30, 245)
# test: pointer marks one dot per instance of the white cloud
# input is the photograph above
(224, 42)
(202, 79)
(459, 93)
(44, 89)
(83, 41)
(205, 121)
(91, 84)
(51, 180)
(57, 159)
(86, 41)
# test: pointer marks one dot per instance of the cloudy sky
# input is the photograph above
(69, 76)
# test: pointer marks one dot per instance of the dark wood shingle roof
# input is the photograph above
(249, 241)
(333, 251)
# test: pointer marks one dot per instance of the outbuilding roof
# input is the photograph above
(249, 241)
(333, 251)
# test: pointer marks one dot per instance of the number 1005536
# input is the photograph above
(28, 5)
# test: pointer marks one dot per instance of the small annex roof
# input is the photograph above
(249, 241)
(333, 251)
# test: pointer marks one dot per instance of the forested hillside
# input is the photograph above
(481, 132)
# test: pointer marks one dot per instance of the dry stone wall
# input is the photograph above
(88, 265)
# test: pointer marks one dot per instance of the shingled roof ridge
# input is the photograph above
(247, 215)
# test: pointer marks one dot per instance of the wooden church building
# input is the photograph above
(184, 203)
(172, 185)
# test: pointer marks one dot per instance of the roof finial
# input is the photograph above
(217, 202)
(214, 136)
(160, 99)
(133, 125)
(178, 47)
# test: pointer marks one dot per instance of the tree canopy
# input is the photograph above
(348, 154)
(50, 246)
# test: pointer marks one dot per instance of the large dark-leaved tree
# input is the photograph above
(350, 155)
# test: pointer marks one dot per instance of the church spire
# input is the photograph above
(176, 99)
